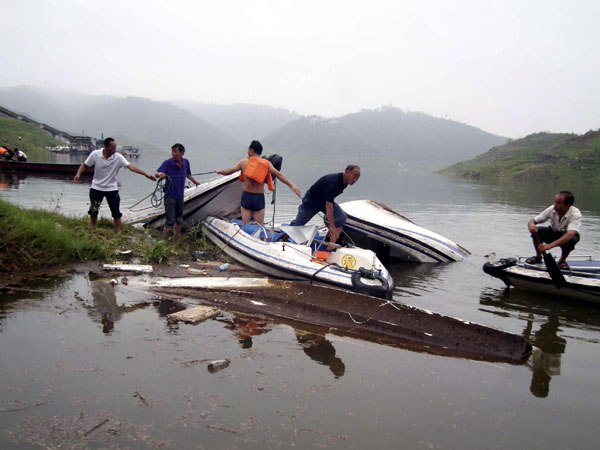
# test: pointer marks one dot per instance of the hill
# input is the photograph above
(134, 120)
(26, 136)
(382, 136)
(540, 156)
(244, 122)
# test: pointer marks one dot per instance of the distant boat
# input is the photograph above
(47, 168)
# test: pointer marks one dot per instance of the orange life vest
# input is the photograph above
(258, 170)
(3, 151)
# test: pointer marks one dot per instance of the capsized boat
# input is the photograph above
(218, 196)
(44, 168)
(298, 253)
(581, 281)
(373, 225)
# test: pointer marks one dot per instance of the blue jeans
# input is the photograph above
(306, 211)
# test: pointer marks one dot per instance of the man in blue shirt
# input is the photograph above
(177, 169)
(320, 197)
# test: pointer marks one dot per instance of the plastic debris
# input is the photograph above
(114, 281)
(223, 267)
(217, 365)
(192, 271)
(200, 254)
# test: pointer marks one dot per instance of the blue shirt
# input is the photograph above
(178, 176)
(325, 189)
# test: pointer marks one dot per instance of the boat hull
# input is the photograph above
(532, 278)
(216, 197)
(47, 168)
(284, 260)
(376, 226)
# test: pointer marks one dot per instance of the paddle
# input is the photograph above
(554, 270)
(551, 266)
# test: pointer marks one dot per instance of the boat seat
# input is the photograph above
(300, 234)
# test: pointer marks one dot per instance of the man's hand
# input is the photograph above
(76, 178)
(531, 225)
(333, 233)
(544, 247)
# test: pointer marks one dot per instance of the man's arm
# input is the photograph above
(276, 173)
(234, 169)
(557, 243)
(81, 169)
(333, 233)
(141, 172)
(193, 180)
(532, 226)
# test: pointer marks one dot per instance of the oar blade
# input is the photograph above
(554, 271)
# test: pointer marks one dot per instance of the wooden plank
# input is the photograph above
(195, 315)
(140, 268)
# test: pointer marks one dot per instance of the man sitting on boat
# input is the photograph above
(320, 197)
(21, 156)
(176, 170)
(563, 232)
(256, 171)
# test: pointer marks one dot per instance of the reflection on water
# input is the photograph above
(546, 319)
(319, 349)
(247, 327)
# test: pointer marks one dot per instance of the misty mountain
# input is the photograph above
(133, 119)
(383, 136)
(244, 122)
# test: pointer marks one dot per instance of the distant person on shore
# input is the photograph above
(176, 170)
(563, 232)
(320, 196)
(21, 156)
(106, 163)
(256, 171)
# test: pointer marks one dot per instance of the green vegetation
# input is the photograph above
(566, 158)
(32, 137)
(35, 239)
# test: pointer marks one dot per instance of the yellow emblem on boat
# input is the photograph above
(348, 261)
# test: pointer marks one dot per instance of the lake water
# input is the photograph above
(84, 364)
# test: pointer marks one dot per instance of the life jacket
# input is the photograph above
(258, 170)
(3, 151)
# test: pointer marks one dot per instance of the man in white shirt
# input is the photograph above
(107, 163)
(563, 232)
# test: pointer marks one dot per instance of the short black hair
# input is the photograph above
(351, 167)
(256, 146)
(107, 141)
(569, 197)
(178, 146)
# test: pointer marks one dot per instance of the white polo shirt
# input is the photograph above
(570, 221)
(105, 170)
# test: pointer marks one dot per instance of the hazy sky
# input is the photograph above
(508, 67)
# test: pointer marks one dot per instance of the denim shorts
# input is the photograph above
(306, 211)
(173, 210)
(253, 202)
(112, 198)
(548, 235)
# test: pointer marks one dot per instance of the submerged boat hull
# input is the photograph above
(46, 168)
(216, 197)
(287, 260)
(579, 285)
(382, 229)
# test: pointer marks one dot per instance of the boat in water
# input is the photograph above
(218, 196)
(373, 225)
(581, 281)
(43, 167)
(299, 253)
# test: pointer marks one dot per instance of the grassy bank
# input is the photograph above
(34, 239)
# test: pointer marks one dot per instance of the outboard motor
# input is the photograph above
(276, 160)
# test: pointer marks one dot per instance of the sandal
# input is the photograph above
(564, 266)
(534, 260)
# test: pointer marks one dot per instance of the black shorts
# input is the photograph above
(112, 198)
(253, 202)
(548, 235)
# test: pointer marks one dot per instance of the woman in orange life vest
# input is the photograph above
(255, 172)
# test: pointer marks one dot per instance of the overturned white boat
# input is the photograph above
(297, 253)
(218, 196)
(374, 225)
